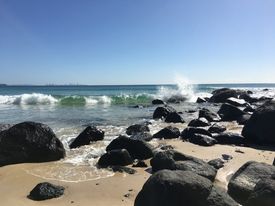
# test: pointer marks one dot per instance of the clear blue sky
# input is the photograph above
(136, 41)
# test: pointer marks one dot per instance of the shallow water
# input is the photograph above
(68, 109)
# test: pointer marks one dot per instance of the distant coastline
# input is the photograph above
(133, 85)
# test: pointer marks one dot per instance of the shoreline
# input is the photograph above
(16, 182)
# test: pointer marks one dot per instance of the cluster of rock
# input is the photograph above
(177, 178)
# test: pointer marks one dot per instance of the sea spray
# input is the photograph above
(182, 90)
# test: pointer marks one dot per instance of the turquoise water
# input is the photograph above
(68, 109)
(61, 106)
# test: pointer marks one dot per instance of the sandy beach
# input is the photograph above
(16, 181)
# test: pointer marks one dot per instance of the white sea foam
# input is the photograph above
(184, 88)
(28, 99)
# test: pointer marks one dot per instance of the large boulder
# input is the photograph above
(176, 188)
(173, 160)
(260, 127)
(263, 194)
(202, 140)
(137, 128)
(29, 142)
(45, 190)
(201, 122)
(219, 197)
(190, 132)
(242, 183)
(216, 128)
(221, 95)
(146, 136)
(90, 134)
(167, 133)
(229, 112)
(174, 117)
(138, 149)
(162, 112)
(229, 138)
(115, 158)
(237, 102)
(209, 115)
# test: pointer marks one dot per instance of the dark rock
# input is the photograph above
(221, 95)
(201, 122)
(273, 162)
(157, 101)
(242, 120)
(90, 134)
(229, 138)
(202, 140)
(248, 98)
(173, 160)
(265, 90)
(189, 132)
(162, 112)
(167, 133)
(201, 100)
(176, 188)
(174, 117)
(226, 157)
(242, 183)
(209, 115)
(140, 163)
(237, 102)
(215, 128)
(138, 149)
(219, 197)
(146, 136)
(115, 158)
(229, 112)
(45, 190)
(263, 194)
(29, 142)
(260, 127)
(137, 128)
(216, 163)
(239, 151)
(122, 169)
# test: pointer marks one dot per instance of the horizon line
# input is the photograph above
(165, 84)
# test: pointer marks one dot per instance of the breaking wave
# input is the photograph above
(74, 100)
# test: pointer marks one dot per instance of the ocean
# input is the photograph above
(69, 109)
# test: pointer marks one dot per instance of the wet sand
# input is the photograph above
(83, 189)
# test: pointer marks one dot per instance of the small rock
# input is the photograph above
(127, 195)
(45, 190)
(239, 151)
(201, 122)
(227, 157)
(167, 133)
(216, 163)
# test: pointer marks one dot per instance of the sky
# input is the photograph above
(136, 41)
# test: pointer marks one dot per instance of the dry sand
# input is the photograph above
(16, 181)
